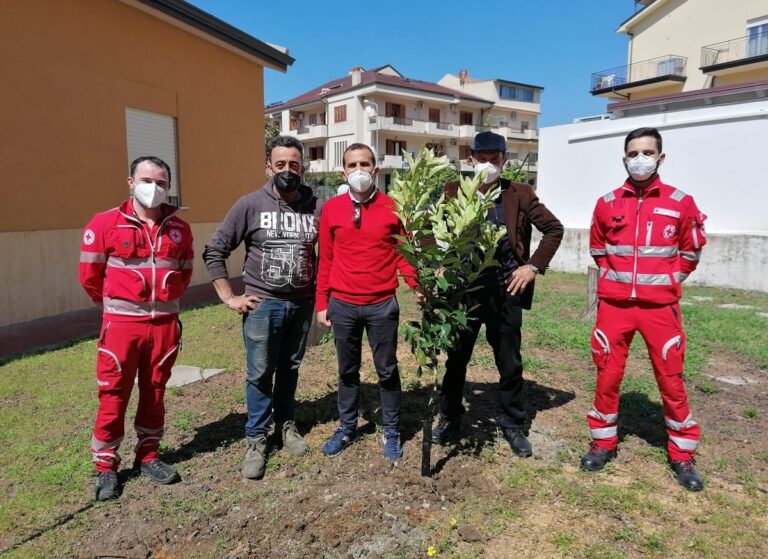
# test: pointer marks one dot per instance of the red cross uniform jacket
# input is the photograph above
(135, 273)
(646, 243)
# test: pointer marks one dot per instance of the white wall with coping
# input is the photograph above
(717, 154)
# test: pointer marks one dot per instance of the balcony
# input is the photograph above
(648, 75)
(390, 162)
(317, 166)
(737, 55)
(311, 132)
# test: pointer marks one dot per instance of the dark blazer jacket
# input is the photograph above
(522, 211)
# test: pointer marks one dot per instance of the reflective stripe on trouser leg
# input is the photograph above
(105, 455)
(610, 343)
(155, 366)
(116, 362)
(662, 330)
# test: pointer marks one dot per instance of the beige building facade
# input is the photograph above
(88, 85)
(393, 113)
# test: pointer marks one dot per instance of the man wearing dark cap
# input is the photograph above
(503, 291)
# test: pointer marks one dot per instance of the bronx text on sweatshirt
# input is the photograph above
(279, 237)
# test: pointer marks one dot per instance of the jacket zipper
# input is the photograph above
(633, 295)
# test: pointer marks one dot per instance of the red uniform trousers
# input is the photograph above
(662, 329)
(124, 348)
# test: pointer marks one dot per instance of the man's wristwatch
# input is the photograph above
(534, 268)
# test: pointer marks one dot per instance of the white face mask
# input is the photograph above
(359, 181)
(149, 194)
(491, 172)
(641, 167)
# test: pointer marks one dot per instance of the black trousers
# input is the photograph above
(380, 321)
(502, 315)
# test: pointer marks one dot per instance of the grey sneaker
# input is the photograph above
(106, 486)
(292, 440)
(255, 461)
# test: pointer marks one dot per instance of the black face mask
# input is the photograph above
(287, 181)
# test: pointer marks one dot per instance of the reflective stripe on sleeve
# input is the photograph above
(610, 197)
(693, 256)
(597, 252)
(680, 276)
(92, 257)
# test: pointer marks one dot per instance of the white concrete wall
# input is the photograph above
(717, 154)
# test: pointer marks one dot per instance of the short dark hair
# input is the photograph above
(356, 146)
(285, 142)
(640, 133)
(156, 160)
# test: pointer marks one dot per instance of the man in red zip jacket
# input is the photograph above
(356, 284)
(135, 263)
(646, 237)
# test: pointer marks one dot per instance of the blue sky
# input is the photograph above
(556, 44)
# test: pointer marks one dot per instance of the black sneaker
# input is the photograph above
(687, 475)
(596, 458)
(446, 430)
(518, 441)
(158, 471)
(106, 486)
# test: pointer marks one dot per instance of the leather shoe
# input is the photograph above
(687, 475)
(518, 441)
(446, 430)
(596, 458)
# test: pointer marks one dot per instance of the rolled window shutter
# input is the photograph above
(153, 134)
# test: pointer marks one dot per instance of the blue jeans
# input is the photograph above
(380, 320)
(275, 336)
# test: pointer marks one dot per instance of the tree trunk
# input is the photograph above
(426, 432)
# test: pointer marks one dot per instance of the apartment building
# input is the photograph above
(698, 71)
(393, 113)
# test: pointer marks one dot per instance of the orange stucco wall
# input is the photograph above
(68, 71)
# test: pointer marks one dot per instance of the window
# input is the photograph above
(294, 124)
(434, 115)
(513, 115)
(524, 125)
(321, 117)
(312, 119)
(464, 152)
(316, 153)
(516, 92)
(394, 109)
(533, 158)
(512, 156)
(395, 147)
(154, 134)
(465, 117)
(757, 37)
(340, 113)
(338, 152)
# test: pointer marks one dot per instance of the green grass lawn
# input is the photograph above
(48, 402)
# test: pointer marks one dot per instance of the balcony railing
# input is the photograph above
(735, 50)
(670, 65)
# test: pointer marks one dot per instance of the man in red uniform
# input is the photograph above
(356, 284)
(646, 237)
(135, 263)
